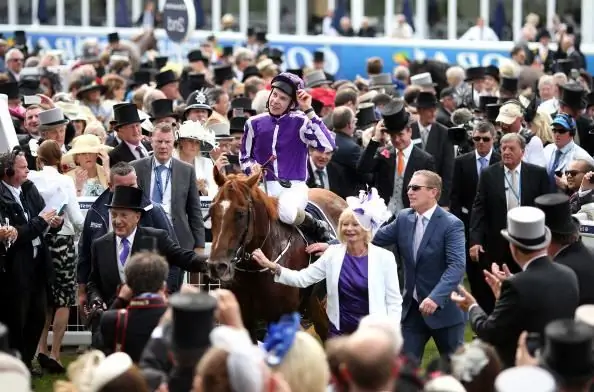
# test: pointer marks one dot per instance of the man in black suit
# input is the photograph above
(566, 245)
(111, 252)
(528, 301)
(446, 107)
(322, 172)
(502, 187)
(433, 138)
(467, 171)
(393, 166)
(127, 125)
(141, 302)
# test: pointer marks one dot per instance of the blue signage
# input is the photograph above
(345, 60)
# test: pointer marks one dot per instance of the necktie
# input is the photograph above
(513, 195)
(424, 134)
(556, 160)
(419, 231)
(157, 196)
(140, 152)
(482, 164)
(400, 164)
(125, 251)
(320, 174)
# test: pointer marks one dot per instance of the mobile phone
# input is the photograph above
(62, 210)
(533, 343)
(31, 100)
(233, 159)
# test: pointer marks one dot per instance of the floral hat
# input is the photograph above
(370, 209)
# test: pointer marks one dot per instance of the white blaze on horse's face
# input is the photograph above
(225, 204)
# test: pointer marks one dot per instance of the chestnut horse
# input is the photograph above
(245, 218)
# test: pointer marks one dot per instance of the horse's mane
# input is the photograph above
(236, 184)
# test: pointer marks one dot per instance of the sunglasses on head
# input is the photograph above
(415, 188)
(485, 139)
(572, 173)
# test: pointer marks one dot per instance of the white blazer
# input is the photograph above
(384, 289)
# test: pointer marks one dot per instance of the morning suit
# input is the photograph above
(442, 150)
(105, 277)
(529, 300)
(489, 210)
(580, 259)
(464, 187)
(437, 271)
(444, 117)
(384, 292)
(122, 153)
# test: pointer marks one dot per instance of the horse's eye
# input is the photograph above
(239, 214)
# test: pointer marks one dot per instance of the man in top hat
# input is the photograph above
(424, 81)
(511, 118)
(573, 101)
(319, 63)
(162, 112)
(168, 83)
(197, 108)
(127, 124)
(467, 171)
(236, 128)
(446, 108)
(566, 245)
(492, 78)
(432, 137)
(508, 89)
(111, 252)
(484, 100)
(475, 77)
(241, 107)
(52, 126)
(527, 301)
(198, 62)
(223, 76)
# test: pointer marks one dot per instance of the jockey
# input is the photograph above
(279, 140)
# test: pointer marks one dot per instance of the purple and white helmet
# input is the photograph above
(288, 83)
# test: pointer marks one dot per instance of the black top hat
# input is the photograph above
(239, 106)
(162, 108)
(564, 65)
(485, 100)
(124, 114)
(127, 197)
(11, 89)
(196, 55)
(29, 87)
(237, 124)
(492, 111)
(590, 99)
(568, 350)
(509, 84)
(475, 73)
(251, 31)
(261, 36)
(223, 73)
(193, 319)
(195, 81)
(161, 61)
(296, 71)
(165, 77)
(543, 33)
(227, 51)
(492, 71)
(113, 37)
(573, 95)
(366, 115)
(275, 54)
(249, 71)
(425, 100)
(557, 213)
(140, 77)
(395, 116)
(318, 56)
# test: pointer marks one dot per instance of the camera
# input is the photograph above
(461, 136)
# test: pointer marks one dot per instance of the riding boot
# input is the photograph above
(316, 228)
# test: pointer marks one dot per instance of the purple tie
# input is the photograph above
(125, 251)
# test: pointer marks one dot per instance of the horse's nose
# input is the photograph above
(222, 269)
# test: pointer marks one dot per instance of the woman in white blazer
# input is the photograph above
(361, 278)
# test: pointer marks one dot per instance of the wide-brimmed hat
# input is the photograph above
(573, 95)
(509, 84)
(474, 73)
(110, 369)
(395, 116)
(11, 89)
(197, 100)
(125, 114)
(425, 100)
(237, 124)
(567, 352)
(161, 108)
(165, 77)
(366, 115)
(526, 228)
(315, 78)
(92, 85)
(240, 105)
(127, 197)
(525, 378)
(87, 144)
(423, 79)
(379, 81)
(557, 212)
(193, 130)
(51, 118)
(509, 112)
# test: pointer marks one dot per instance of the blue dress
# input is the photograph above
(353, 294)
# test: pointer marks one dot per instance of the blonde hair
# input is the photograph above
(541, 126)
(305, 368)
(346, 215)
(96, 128)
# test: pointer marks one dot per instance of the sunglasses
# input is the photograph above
(415, 188)
(560, 130)
(572, 173)
(485, 139)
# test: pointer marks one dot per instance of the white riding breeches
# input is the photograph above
(290, 200)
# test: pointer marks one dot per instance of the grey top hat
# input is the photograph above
(423, 79)
(380, 81)
(51, 118)
(315, 79)
(526, 228)
(222, 130)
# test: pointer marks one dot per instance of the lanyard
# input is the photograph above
(158, 182)
(511, 188)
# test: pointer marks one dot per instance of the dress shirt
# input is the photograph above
(569, 152)
(132, 148)
(167, 185)
(508, 182)
(16, 193)
(478, 157)
(427, 215)
(119, 248)
(406, 155)
(315, 171)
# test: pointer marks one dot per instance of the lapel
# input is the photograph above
(126, 152)
(112, 271)
(500, 182)
(335, 265)
(374, 271)
(472, 170)
(431, 226)
(525, 198)
(145, 176)
(391, 168)
(143, 242)
(410, 235)
(416, 134)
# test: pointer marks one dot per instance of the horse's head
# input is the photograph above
(240, 216)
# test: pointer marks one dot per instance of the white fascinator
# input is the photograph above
(370, 209)
(196, 131)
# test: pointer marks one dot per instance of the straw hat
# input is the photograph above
(87, 144)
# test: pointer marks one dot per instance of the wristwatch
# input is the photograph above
(308, 111)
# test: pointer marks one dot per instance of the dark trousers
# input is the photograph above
(478, 286)
(416, 334)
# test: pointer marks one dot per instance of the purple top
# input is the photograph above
(353, 294)
(287, 137)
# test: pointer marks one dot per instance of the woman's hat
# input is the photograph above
(474, 73)
(526, 228)
(162, 108)
(426, 100)
(92, 85)
(193, 130)
(239, 106)
(557, 212)
(125, 114)
(87, 144)
(237, 124)
(126, 197)
(395, 116)
(573, 95)
(165, 77)
(316, 78)
(109, 369)
(51, 118)
(365, 115)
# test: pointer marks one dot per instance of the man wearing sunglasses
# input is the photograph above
(564, 150)
(578, 174)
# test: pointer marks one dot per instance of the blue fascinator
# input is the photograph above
(280, 338)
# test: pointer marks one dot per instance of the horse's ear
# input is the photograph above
(220, 178)
(254, 178)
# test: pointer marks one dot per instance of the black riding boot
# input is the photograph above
(316, 228)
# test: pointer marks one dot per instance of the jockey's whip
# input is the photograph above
(283, 183)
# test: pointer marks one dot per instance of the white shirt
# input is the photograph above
(570, 152)
(135, 152)
(476, 33)
(327, 28)
(478, 163)
(403, 31)
(508, 181)
(166, 204)
(534, 152)
(16, 193)
(119, 248)
(427, 214)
